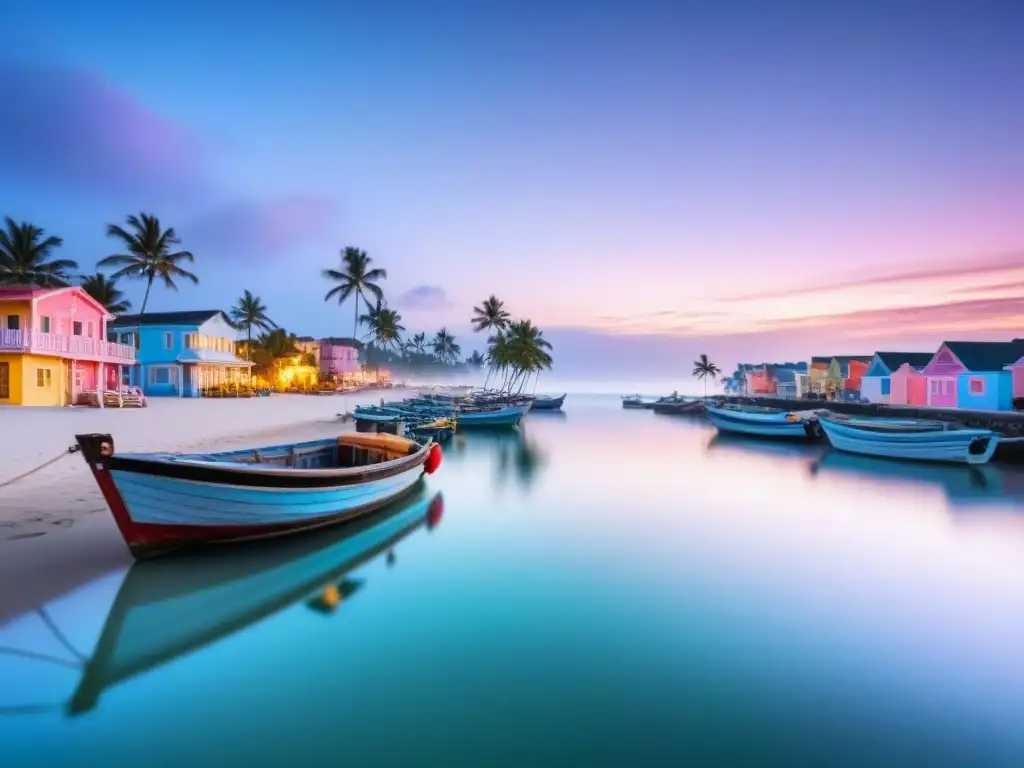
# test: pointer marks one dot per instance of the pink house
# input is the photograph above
(339, 356)
(908, 386)
(54, 348)
(941, 375)
(973, 374)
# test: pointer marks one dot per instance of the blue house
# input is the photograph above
(180, 353)
(875, 385)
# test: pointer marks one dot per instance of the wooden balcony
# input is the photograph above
(37, 342)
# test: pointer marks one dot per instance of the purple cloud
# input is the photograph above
(424, 298)
(266, 228)
(69, 127)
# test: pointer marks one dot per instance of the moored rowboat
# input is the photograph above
(765, 423)
(961, 446)
(163, 501)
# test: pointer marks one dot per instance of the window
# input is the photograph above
(43, 377)
(13, 323)
(44, 323)
(190, 341)
(160, 375)
(950, 387)
(89, 329)
(976, 386)
(886, 385)
(935, 387)
(76, 328)
(5, 381)
(168, 340)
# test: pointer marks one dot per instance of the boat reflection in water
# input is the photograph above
(166, 608)
(515, 455)
(806, 450)
(964, 486)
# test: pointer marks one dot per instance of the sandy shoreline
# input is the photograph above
(55, 529)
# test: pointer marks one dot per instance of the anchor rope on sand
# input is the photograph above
(66, 452)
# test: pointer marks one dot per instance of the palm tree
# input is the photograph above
(491, 314)
(273, 346)
(250, 312)
(445, 347)
(106, 292)
(388, 333)
(371, 319)
(526, 352)
(417, 344)
(355, 278)
(150, 254)
(476, 360)
(25, 251)
(704, 369)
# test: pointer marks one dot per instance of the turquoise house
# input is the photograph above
(973, 375)
(180, 353)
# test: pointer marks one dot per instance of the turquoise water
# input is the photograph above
(609, 588)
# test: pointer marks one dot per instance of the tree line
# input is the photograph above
(516, 349)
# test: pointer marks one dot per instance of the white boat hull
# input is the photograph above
(959, 446)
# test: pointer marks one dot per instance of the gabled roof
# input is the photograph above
(195, 317)
(29, 292)
(893, 360)
(986, 356)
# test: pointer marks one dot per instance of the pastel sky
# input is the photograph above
(645, 180)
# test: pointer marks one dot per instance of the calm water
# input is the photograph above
(610, 587)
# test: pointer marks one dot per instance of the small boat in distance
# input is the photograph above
(633, 401)
(548, 402)
(765, 422)
(688, 406)
(162, 502)
(952, 443)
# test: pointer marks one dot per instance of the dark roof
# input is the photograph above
(893, 360)
(847, 359)
(304, 338)
(196, 317)
(825, 360)
(343, 341)
(983, 356)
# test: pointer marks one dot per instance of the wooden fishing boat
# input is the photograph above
(633, 401)
(765, 422)
(167, 608)
(959, 445)
(163, 501)
(548, 403)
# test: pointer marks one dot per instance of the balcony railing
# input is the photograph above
(72, 346)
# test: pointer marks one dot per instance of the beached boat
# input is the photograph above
(959, 445)
(548, 403)
(765, 422)
(165, 609)
(164, 501)
(633, 401)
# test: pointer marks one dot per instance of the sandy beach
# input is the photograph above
(55, 529)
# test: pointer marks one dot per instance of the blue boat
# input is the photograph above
(168, 608)
(491, 419)
(548, 402)
(162, 502)
(952, 443)
(765, 422)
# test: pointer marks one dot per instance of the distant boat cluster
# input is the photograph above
(972, 375)
(882, 437)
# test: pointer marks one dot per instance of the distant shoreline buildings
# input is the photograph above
(974, 375)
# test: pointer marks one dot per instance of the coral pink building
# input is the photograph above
(54, 348)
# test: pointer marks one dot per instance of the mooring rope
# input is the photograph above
(66, 452)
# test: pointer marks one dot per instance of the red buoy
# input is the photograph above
(433, 460)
